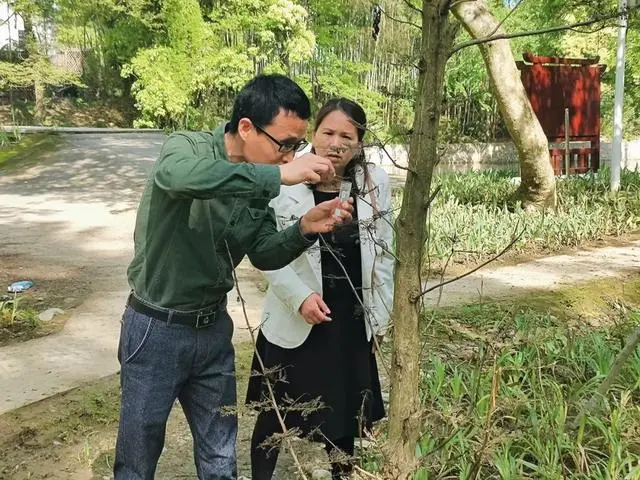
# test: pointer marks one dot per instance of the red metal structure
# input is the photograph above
(555, 84)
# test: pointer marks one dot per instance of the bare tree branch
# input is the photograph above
(379, 143)
(427, 245)
(2, 22)
(412, 6)
(593, 30)
(433, 196)
(495, 385)
(409, 64)
(382, 146)
(380, 215)
(506, 17)
(444, 270)
(601, 393)
(473, 270)
(558, 28)
(355, 292)
(272, 396)
(406, 22)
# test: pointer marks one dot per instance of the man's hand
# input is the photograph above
(314, 310)
(322, 217)
(306, 168)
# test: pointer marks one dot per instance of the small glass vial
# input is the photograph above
(345, 192)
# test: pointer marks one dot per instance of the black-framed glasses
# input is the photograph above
(284, 147)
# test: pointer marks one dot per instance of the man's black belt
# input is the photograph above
(201, 318)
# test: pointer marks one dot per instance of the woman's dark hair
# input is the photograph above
(359, 119)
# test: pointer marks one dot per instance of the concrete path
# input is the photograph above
(75, 212)
(546, 273)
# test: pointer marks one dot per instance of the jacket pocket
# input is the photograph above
(256, 214)
(248, 226)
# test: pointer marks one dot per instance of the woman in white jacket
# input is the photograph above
(323, 310)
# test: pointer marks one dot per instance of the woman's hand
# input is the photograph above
(314, 310)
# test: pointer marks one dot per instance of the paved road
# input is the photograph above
(73, 216)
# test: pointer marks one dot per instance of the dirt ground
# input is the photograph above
(71, 436)
(55, 286)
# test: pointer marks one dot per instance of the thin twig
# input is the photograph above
(603, 389)
(506, 17)
(364, 472)
(367, 224)
(406, 22)
(433, 196)
(530, 33)
(412, 6)
(427, 247)
(379, 143)
(8, 19)
(593, 30)
(495, 382)
(272, 396)
(356, 467)
(355, 292)
(442, 274)
(381, 215)
(407, 64)
(473, 270)
(446, 264)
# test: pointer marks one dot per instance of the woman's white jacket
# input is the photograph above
(282, 323)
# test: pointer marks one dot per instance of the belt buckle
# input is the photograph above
(204, 320)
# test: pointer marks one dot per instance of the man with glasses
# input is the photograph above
(205, 207)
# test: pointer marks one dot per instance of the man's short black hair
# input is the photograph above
(261, 99)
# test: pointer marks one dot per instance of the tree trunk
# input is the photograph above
(404, 408)
(33, 52)
(538, 188)
(38, 112)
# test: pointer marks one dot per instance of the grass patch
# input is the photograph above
(593, 303)
(17, 320)
(503, 381)
(21, 150)
(473, 218)
(61, 434)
